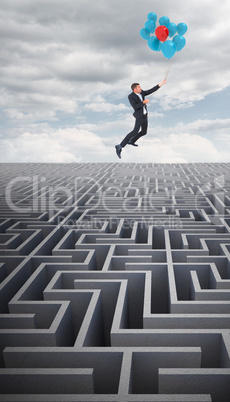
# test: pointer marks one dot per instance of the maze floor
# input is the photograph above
(115, 282)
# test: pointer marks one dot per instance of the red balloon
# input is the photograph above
(162, 33)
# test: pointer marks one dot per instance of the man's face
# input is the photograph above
(137, 90)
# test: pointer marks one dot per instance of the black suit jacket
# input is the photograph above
(137, 104)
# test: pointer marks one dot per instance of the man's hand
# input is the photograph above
(162, 83)
(146, 101)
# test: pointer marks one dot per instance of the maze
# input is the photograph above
(115, 282)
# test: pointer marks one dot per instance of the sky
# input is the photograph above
(66, 68)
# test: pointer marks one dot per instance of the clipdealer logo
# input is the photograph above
(34, 194)
(37, 196)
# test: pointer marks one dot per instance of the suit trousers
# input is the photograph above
(135, 134)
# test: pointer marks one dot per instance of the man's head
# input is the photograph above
(136, 88)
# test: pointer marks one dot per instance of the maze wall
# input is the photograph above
(115, 282)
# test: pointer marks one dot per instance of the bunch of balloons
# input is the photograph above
(160, 41)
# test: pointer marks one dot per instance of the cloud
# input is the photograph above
(63, 145)
(218, 126)
(87, 41)
(106, 107)
(176, 148)
(16, 115)
(79, 145)
(70, 64)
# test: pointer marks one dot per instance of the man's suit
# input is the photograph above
(141, 118)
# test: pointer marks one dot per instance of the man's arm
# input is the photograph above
(150, 91)
(135, 102)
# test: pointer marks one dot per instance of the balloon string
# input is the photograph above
(168, 68)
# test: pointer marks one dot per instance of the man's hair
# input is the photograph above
(133, 86)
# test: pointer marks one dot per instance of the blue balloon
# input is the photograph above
(181, 28)
(168, 49)
(179, 41)
(172, 29)
(164, 21)
(152, 16)
(154, 43)
(150, 26)
(145, 33)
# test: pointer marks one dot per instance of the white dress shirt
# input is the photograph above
(144, 107)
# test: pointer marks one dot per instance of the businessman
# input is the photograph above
(139, 104)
